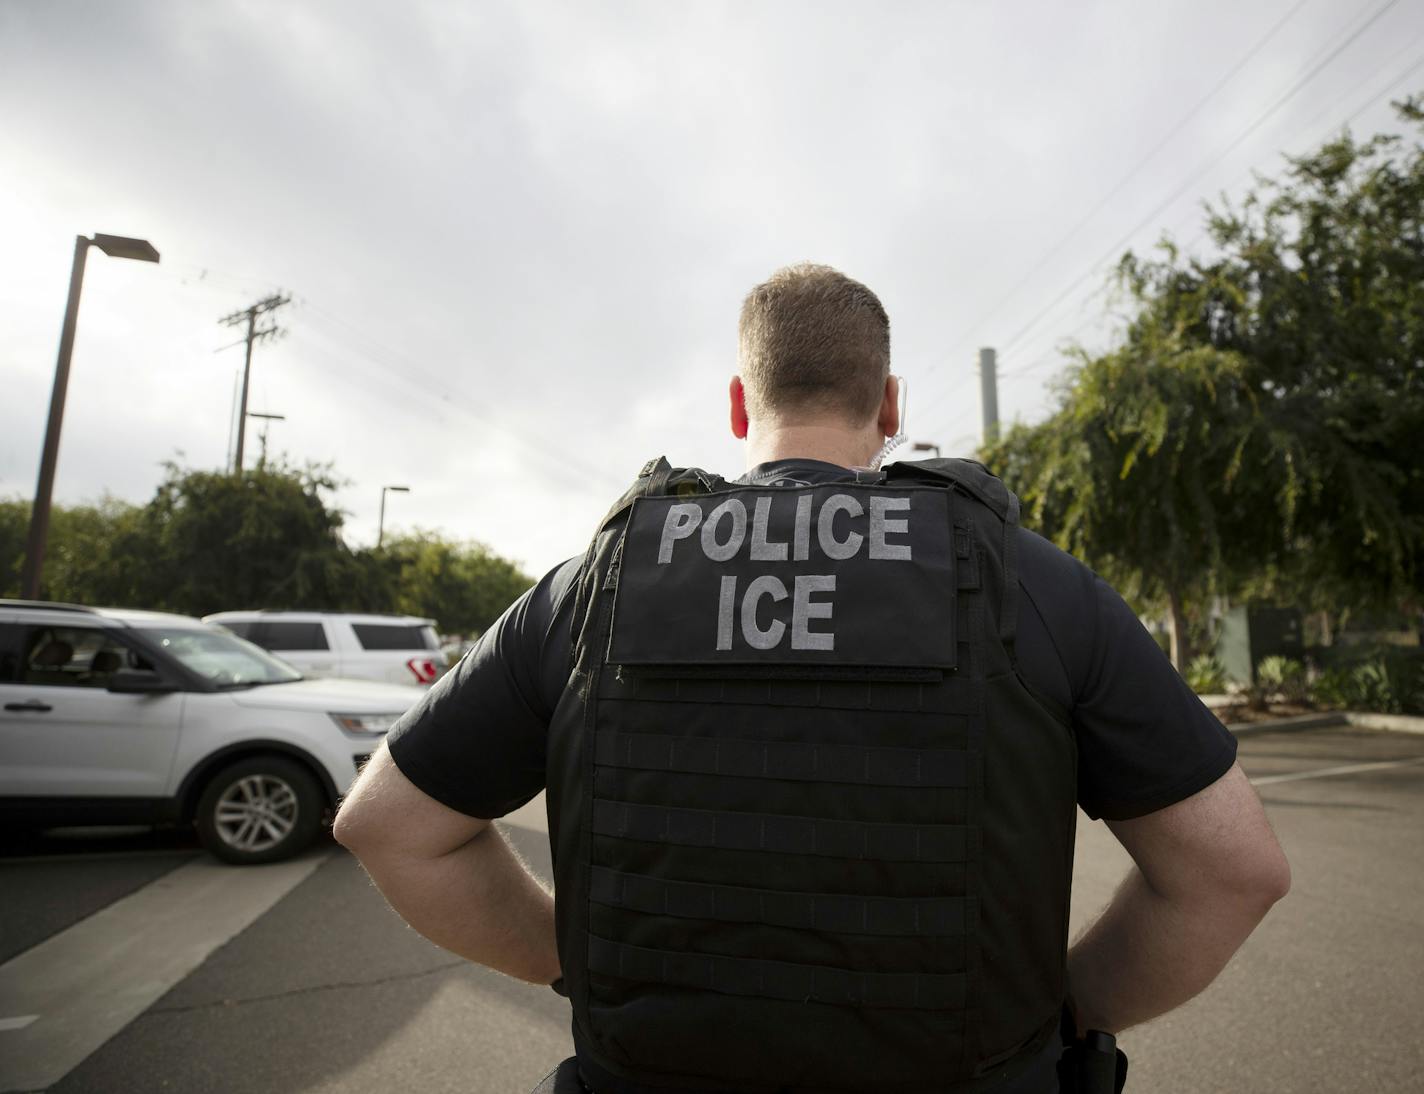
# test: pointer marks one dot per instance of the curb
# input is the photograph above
(1323, 720)
(1387, 723)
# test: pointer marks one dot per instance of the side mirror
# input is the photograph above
(139, 681)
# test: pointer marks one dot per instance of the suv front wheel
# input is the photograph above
(259, 810)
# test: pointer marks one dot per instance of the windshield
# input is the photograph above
(222, 658)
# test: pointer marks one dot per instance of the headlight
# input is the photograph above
(367, 724)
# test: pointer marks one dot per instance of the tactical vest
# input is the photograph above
(811, 830)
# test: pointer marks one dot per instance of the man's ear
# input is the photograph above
(738, 398)
(889, 419)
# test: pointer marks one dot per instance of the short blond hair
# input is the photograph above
(812, 339)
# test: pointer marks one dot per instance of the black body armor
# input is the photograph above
(811, 830)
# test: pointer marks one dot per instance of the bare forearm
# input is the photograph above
(1147, 954)
(478, 901)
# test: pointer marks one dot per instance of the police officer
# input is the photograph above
(814, 741)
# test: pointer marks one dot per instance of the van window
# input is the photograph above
(290, 636)
(395, 636)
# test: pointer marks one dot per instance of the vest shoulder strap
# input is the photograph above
(969, 476)
(658, 477)
(974, 479)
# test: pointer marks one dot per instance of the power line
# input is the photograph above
(1192, 179)
(1373, 98)
(558, 465)
(1132, 173)
(1403, 75)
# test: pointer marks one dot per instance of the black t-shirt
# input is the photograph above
(476, 741)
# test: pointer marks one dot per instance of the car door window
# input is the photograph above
(10, 635)
(73, 657)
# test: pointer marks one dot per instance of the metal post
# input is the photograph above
(989, 393)
(44, 489)
(242, 409)
(381, 520)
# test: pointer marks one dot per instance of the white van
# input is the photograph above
(394, 649)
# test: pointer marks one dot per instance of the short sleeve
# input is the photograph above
(476, 741)
(1145, 741)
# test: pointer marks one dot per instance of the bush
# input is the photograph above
(1283, 676)
(1206, 675)
(1387, 683)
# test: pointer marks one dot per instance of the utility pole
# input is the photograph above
(267, 420)
(989, 393)
(250, 317)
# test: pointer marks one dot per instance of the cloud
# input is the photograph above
(517, 234)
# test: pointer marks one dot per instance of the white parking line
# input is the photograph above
(1325, 772)
(7, 1024)
(80, 987)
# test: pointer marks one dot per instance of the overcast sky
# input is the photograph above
(517, 234)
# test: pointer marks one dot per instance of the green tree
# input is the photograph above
(14, 526)
(463, 586)
(1138, 472)
(265, 538)
(95, 554)
(209, 540)
(1318, 286)
(1256, 430)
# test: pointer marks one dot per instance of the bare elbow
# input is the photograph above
(1276, 879)
(1265, 882)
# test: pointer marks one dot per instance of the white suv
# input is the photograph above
(126, 717)
(397, 649)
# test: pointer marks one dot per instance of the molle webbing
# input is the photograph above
(794, 760)
(781, 835)
(779, 980)
(770, 849)
(804, 911)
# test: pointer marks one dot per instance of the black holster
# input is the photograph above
(1094, 1065)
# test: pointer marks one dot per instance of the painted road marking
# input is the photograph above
(88, 982)
(7, 1024)
(1325, 772)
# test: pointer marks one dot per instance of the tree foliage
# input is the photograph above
(1257, 428)
(464, 586)
(209, 541)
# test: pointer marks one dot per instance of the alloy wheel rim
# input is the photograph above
(256, 813)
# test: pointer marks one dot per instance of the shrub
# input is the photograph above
(1206, 674)
(1283, 676)
(1387, 683)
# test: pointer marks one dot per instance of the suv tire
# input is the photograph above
(262, 809)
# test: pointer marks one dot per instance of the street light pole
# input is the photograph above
(118, 247)
(381, 521)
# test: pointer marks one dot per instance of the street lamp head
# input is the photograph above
(397, 489)
(140, 250)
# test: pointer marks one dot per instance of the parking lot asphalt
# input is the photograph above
(328, 991)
